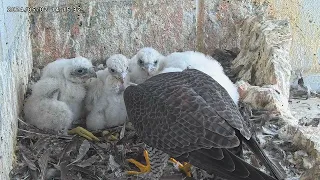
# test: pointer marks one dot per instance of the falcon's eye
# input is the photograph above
(156, 62)
(140, 61)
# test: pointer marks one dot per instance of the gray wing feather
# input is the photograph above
(175, 118)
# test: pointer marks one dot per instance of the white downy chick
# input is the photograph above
(57, 98)
(104, 99)
(179, 61)
(144, 64)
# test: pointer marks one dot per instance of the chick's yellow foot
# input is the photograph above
(84, 133)
(111, 136)
(185, 167)
(143, 168)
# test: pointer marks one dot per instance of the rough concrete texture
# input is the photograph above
(102, 28)
(264, 53)
(15, 65)
(301, 127)
(305, 24)
(307, 133)
(315, 174)
(307, 114)
(266, 97)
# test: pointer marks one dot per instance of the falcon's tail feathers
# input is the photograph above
(278, 172)
(224, 164)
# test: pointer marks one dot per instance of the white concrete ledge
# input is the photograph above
(15, 66)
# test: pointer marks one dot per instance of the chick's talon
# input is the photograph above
(84, 133)
(185, 167)
(110, 136)
(143, 168)
(113, 138)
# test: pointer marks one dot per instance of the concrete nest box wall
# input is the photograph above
(98, 29)
(15, 67)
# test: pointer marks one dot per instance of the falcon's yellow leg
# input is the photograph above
(143, 168)
(185, 167)
(84, 133)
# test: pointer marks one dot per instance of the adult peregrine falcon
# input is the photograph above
(191, 117)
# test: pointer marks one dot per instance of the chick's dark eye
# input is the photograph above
(112, 70)
(140, 61)
(155, 62)
(80, 71)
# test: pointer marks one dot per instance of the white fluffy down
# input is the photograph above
(179, 61)
(104, 99)
(56, 68)
(151, 63)
(57, 98)
(170, 69)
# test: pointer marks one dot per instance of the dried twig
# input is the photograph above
(43, 164)
(40, 134)
(84, 148)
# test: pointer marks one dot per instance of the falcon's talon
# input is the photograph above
(143, 168)
(185, 167)
(84, 133)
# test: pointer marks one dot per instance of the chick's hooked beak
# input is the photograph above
(123, 77)
(92, 73)
(149, 68)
